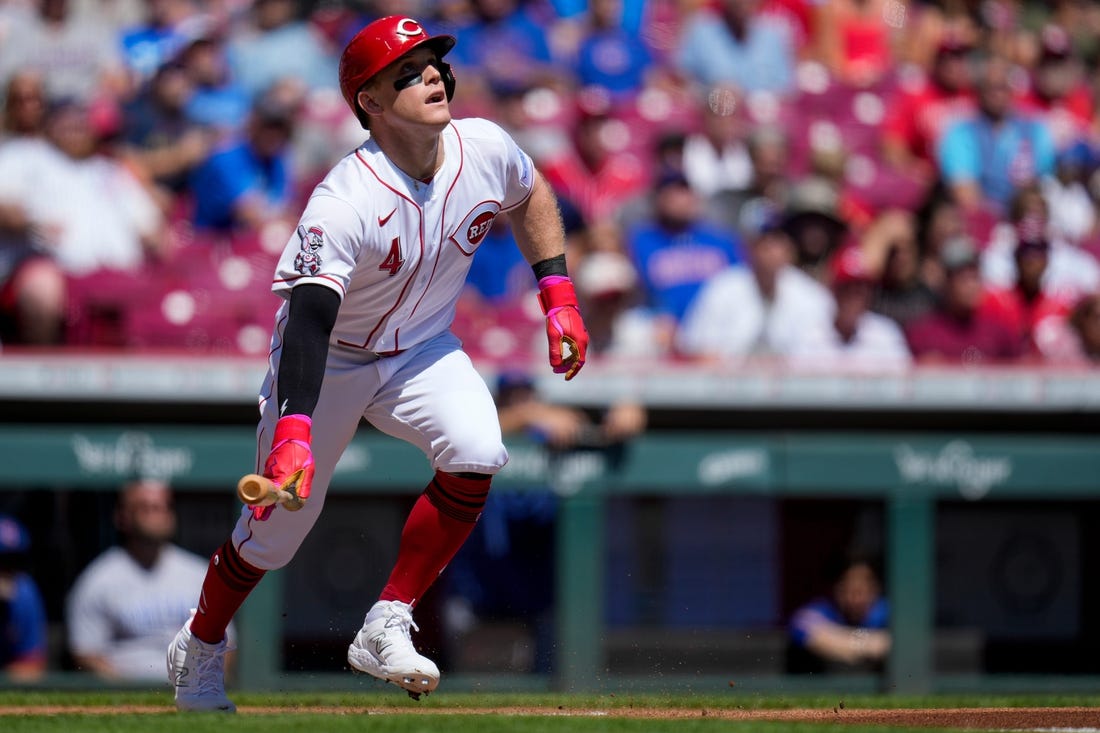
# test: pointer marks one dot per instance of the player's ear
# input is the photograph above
(366, 101)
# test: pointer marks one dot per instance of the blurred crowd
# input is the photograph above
(834, 184)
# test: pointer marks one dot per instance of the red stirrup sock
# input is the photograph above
(229, 580)
(438, 524)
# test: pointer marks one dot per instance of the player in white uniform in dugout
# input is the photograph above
(371, 278)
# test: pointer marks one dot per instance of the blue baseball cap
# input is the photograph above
(14, 538)
(759, 216)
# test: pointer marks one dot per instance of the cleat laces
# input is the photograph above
(400, 618)
(209, 670)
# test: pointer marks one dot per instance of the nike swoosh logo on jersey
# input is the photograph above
(383, 219)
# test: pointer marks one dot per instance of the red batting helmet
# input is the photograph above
(381, 43)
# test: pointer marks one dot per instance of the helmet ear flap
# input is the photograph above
(448, 78)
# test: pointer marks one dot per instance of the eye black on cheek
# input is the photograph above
(409, 80)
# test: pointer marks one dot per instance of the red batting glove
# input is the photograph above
(564, 327)
(290, 451)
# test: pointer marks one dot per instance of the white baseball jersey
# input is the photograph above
(130, 614)
(398, 250)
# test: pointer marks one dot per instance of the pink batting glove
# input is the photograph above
(290, 451)
(565, 329)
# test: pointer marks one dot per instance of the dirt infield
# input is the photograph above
(1047, 719)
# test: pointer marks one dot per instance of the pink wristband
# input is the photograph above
(551, 280)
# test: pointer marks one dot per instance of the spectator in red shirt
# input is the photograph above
(854, 42)
(1025, 307)
(924, 108)
(797, 16)
(1058, 92)
(1075, 340)
(959, 331)
(927, 24)
(598, 173)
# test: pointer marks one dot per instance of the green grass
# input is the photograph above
(389, 711)
(412, 724)
(387, 697)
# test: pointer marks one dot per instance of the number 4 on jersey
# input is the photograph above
(393, 260)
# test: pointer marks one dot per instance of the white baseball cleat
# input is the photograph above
(384, 649)
(197, 671)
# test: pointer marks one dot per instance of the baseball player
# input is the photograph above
(371, 277)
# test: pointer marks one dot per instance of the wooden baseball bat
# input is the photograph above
(256, 490)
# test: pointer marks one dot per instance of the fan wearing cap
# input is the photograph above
(22, 612)
(959, 331)
(760, 308)
(1026, 306)
(1070, 270)
(857, 339)
(676, 250)
(370, 281)
(814, 221)
(620, 325)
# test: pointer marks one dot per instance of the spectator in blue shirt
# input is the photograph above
(22, 612)
(504, 46)
(166, 29)
(247, 183)
(277, 44)
(677, 250)
(609, 56)
(216, 100)
(157, 133)
(847, 630)
(986, 158)
(733, 43)
(632, 13)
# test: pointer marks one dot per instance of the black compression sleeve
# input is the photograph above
(313, 310)
(550, 266)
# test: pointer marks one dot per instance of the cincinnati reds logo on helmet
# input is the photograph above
(382, 42)
(408, 28)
